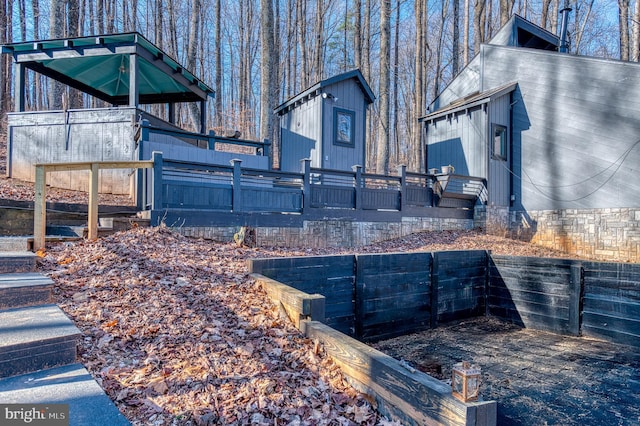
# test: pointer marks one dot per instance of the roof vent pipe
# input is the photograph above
(564, 44)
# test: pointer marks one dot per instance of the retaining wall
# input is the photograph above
(327, 232)
(372, 297)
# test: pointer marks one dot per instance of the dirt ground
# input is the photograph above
(538, 378)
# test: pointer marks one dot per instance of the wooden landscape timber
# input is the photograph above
(405, 393)
(400, 391)
(297, 304)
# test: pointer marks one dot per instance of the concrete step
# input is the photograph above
(14, 244)
(17, 261)
(24, 289)
(35, 338)
(70, 384)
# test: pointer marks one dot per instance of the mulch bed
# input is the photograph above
(537, 378)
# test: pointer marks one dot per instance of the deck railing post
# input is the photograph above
(236, 197)
(211, 140)
(156, 184)
(40, 209)
(266, 149)
(402, 171)
(357, 169)
(306, 183)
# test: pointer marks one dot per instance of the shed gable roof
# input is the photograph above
(317, 88)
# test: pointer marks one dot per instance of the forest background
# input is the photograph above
(258, 53)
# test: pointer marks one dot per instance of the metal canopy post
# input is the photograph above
(19, 70)
(133, 80)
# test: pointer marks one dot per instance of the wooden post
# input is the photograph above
(236, 198)
(306, 184)
(40, 209)
(93, 202)
(156, 185)
(357, 169)
(19, 97)
(402, 171)
(576, 284)
(435, 260)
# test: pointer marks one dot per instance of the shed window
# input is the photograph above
(343, 127)
(499, 146)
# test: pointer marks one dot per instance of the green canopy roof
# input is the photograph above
(100, 66)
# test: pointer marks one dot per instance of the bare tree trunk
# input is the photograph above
(623, 16)
(38, 87)
(504, 11)
(581, 24)
(382, 157)
(555, 10)
(267, 66)
(292, 50)
(455, 54)
(394, 91)
(192, 49)
(366, 41)
(420, 8)
(544, 15)
(318, 64)
(465, 35)
(5, 63)
(357, 33)
(218, 60)
(489, 21)
(173, 31)
(478, 25)
(159, 23)
(99, 16)
(438, 67)
(73, 16)
(111, 16)
(134, 15)
(635, 49)
(56, 25)
(301, 19)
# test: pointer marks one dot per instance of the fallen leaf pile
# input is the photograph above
(176, 333)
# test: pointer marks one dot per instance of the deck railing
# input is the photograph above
(188, 185)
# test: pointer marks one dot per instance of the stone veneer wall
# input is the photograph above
(607, 234)
(331, 233)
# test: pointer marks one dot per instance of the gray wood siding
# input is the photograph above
(301, 132)
(575, 128)
(498, 185)
(459, 141)
(73, 136)
(350, 97)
